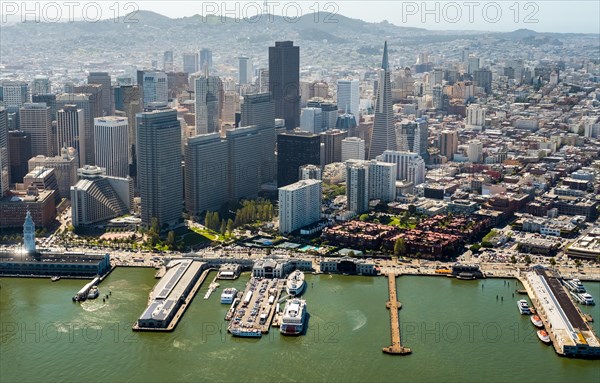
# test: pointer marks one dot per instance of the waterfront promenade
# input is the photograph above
(393, 305)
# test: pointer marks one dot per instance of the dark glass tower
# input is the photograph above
(284, 82)
(295, 149)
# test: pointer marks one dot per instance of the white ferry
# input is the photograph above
(245, 333)
(584, 299)
(295, 283)
(575, 286)
(93, 293)
(228, 295)
(523, 307)
(294, 315)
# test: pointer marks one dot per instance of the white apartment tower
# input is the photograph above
(111, 145)
(299, 205)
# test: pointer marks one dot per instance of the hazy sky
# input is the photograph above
(499, 15)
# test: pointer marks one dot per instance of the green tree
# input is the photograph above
(400, 247)
(552, 261)
(527, 259)
(364, 217)
(412, 209)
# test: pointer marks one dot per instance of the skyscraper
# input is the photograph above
(111, 141)
(448, 144)
(244, 162)
(294, 149)
(209, 98)
(311, 120)
(131, 96)
(384, 134)
(353, 148)
(299, 205)
(190, 63)
(14, 94)
(475, 151)
(168, 61)
(409, 166)
(154, 87)
(259, 110)
(332, 141)
(40, 85)
(35, 119)
(4, 162)
(382, 181)
(205, 60)
(357, 186)
(413, 137)
(49, 99)
(18, 154)
(94, 96)
(483, 79)
(159, 172)
(206, 173)
(348, 96)
(103, 78)
(70, 124)
(284, 81)
(244, 70)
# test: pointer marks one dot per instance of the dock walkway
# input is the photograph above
(393, 305)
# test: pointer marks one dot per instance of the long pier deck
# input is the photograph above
(393, 305)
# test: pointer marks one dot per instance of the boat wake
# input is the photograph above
(357, 319)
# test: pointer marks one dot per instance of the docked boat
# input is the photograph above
(93, 293)
(544, 337)
(524, 307)
(584, 299)
(228, 295)
(244, 333)
(293, 318)
(537, 321)
(55, 278)
(295, 283)
(575, 285)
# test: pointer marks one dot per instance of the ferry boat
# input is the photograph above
(544, 337)
(228, 295)
(584, 299)
(294, 315)
(524, 307)
(245, 333)
(575, 286)
(295, 283)
(93, 293)
(55, 278)
(537, 321)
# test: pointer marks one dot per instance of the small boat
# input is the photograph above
(523, 307)
(537, 321)
(544, 337)
(93, 293)
(55, 278)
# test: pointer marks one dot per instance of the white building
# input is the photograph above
(348, 96)
(155, 87)
(409, 166)
(310, 172)
(311, 120)
(111, 143)
(475, 117)
(357, 186)
(382, 181)
(475, 151)
(353, 148)
(299, 205)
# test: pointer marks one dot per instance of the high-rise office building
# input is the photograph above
(131, 98)
(263, 80)
(94, 97)
(332, 142)
(473, 64)
(18, 154)
(413, 137)
(111, 135)
(346, 122)
(190, 63)
(353, 148)
(259, 110)
(209, 99)
(70, 125)
(35, 119)
(475, 151)
(98, 197)
(348, 96)
(103, 78)
(13, 95)
(4, 159)
(168, 61)
(357, 186)
(448, 144)
(294, 149)
(160, 177)
(384, 134)
(299, 205)
(65, 169)
(48, 99)
(483, 79)
(206, 173)
(205, 60)
(244, 70)
(409, 166)
(382, 181)
(284, 81)
(40, 85)
(155, 87)
(311, 120)
(245, 162)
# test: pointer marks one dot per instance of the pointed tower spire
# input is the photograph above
(385, 64)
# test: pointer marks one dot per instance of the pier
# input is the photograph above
(393, 305)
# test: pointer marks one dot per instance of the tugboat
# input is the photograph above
(544, 337)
